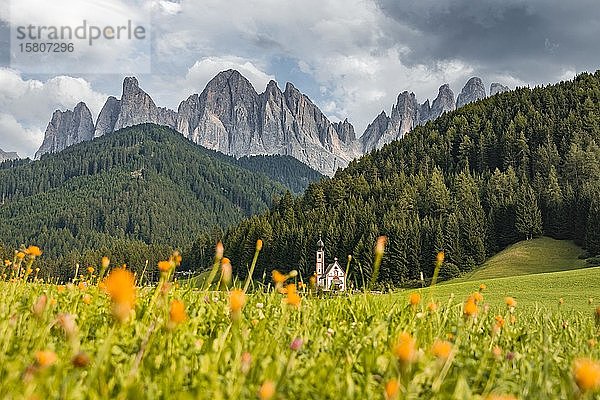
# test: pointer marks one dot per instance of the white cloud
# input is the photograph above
(15, 137)
(27, 105)
(167, 7)
(87, 20)
(204, 70)
(358, 68)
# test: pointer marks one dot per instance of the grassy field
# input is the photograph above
(530, 257)
(537, 273)
(105, 338)
(545, 290)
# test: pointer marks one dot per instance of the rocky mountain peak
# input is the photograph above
(472, 91)
(345, 131)
(496, 88)
(137, 107)
(67, 128)
(130, 85)
(108, 117)
(8, 155)
(272, 87)
(444, 101)
(405, 113)
(374, 132)
(229, 82)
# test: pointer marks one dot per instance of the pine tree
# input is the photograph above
(592, 236)
(528, 215)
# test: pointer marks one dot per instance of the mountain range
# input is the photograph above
(229, 116)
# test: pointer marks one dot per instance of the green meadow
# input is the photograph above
(102, 337)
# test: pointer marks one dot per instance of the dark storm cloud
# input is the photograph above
(533, 41)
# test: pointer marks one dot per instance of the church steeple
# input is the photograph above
(320, 265)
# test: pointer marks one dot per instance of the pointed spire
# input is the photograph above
(320, 243)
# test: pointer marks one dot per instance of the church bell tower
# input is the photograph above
(320, 261)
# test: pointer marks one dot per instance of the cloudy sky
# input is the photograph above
(351, 57)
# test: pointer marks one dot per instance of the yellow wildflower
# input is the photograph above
(439, 258)
(293, 298)
(266, 391)
(278, 277)
(414, 299)
(34, 251)
(497, 352)
(237, 299)
(587, 374)
(226, 271)
(165, 266)
(510, 302)
(501, 397)
(404, 349)
(441, 349)
(120, 286)
(177, 313)
(45, 358)
(219, 249)
(470, 308)
(176, 258)
(392, 388)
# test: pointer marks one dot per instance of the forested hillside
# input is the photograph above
(510, 167)
(141, 186)
(295, 175)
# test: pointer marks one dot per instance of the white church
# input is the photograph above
(331, 277)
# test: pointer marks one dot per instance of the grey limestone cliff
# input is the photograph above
(472, 91)
(137, 107)
(67, 128)
(496, 88)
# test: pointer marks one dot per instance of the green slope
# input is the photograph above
(530, 257)
(539, 290)
(537, 273)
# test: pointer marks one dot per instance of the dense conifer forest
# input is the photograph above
(133, 195)
(511, 167)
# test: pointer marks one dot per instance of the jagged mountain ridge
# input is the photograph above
(8, 155)
(231, 117)
(407, 113)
